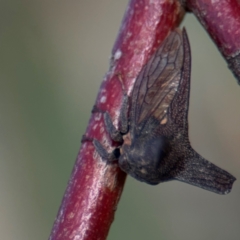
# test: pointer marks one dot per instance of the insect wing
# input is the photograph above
(158, 82)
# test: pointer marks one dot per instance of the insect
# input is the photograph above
(154, 130)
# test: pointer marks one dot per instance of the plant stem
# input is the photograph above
(221, 19)
(95, 187)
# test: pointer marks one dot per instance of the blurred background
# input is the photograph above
(53, 56)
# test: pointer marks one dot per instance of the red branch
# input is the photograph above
(91, 198)
(221, 19)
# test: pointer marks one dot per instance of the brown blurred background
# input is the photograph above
(53, 56)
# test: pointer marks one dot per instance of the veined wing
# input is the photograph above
(158, 81)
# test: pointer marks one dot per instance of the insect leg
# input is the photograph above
(116, 135)
(124, 115)
(113, 156)
(123, 125)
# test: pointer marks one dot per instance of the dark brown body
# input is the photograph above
(154, 124)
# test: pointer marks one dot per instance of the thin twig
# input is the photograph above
(95, 187)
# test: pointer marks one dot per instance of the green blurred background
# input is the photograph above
(53, 56)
